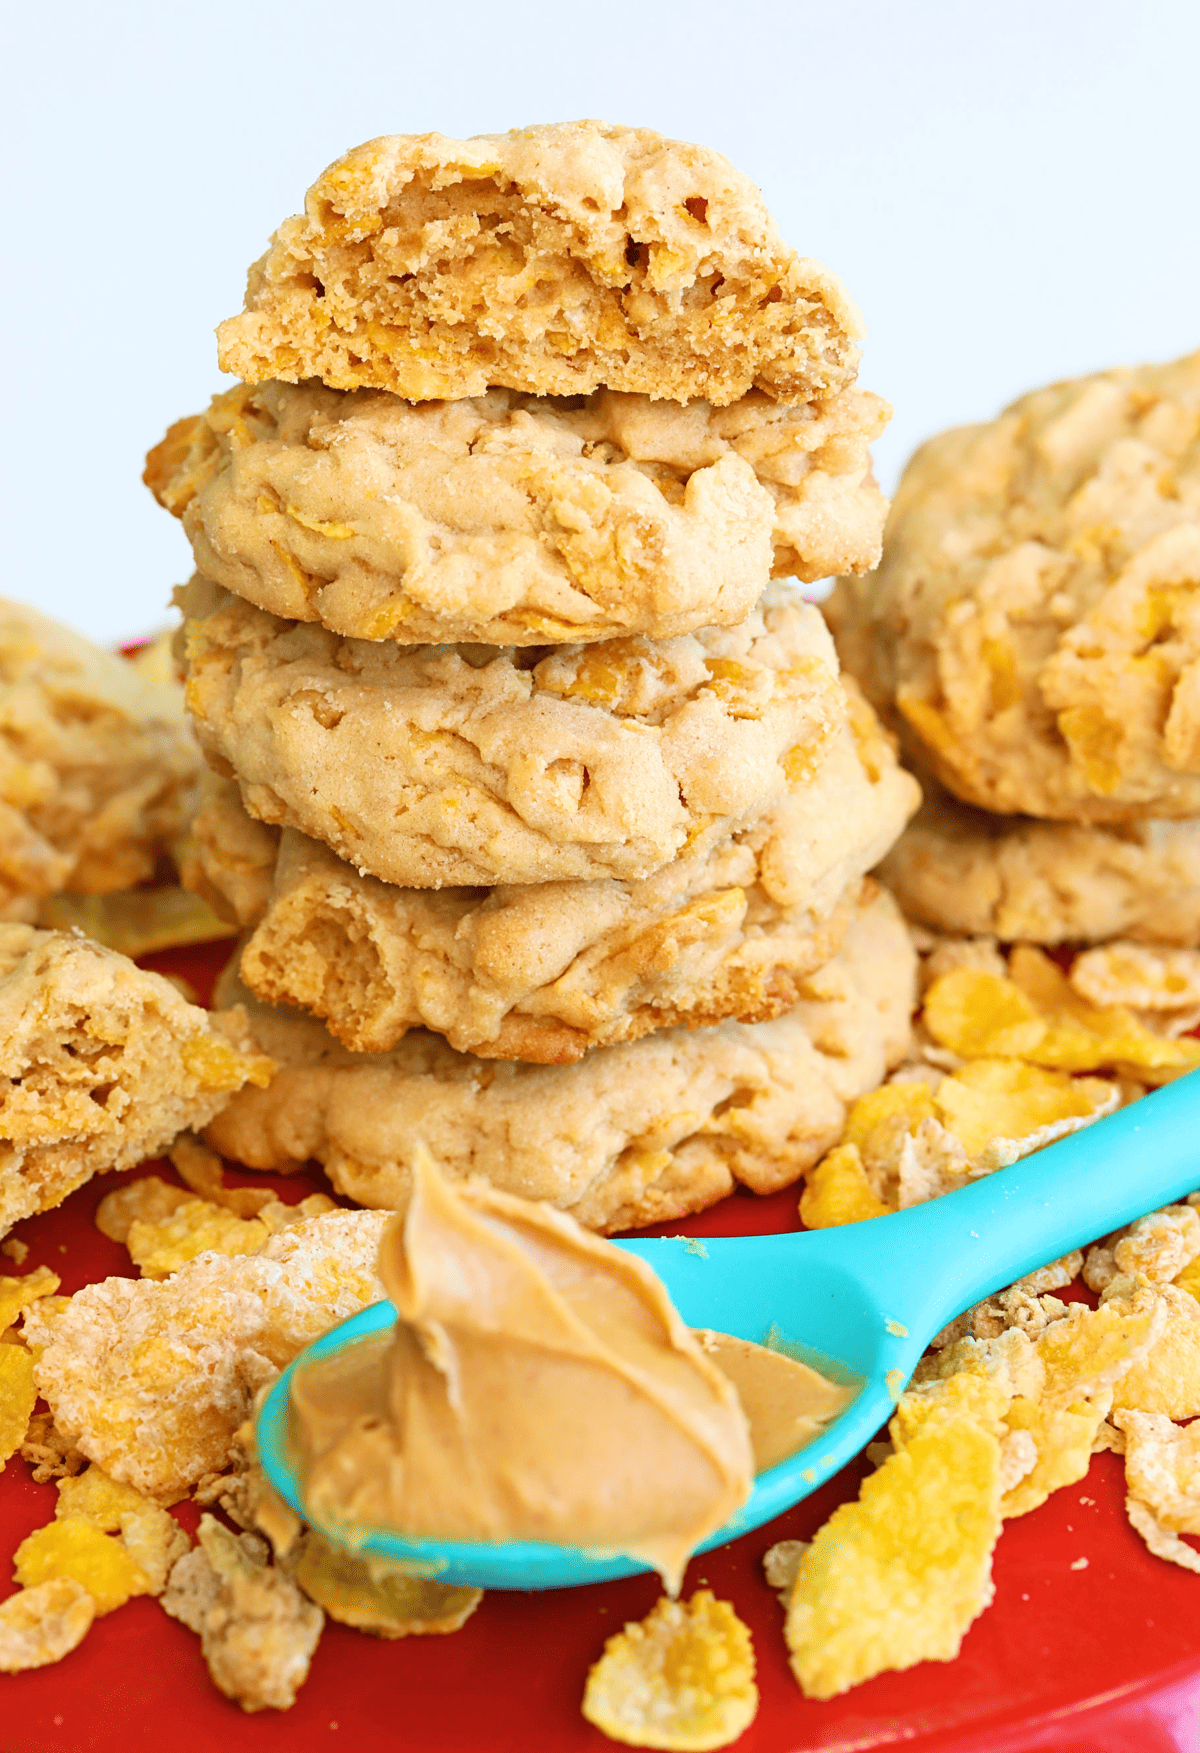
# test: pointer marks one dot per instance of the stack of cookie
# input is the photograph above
(1035, 630)
(531, 787)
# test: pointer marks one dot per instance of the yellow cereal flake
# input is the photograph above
(1163, 1542)
(1164, 1376)
(195, 1227)
(1063, 1437)
(1035, 1014)
(377, 1596)
(897, 1577)
(93, 1497)
(910, 1101)
(41, 1625)
(152, 1537)
(16, 1294)
(1142, 976)
(682, 1678)
(1091, 1349)
(837, 1191)
(18, 1397)
(201, 1169)
(1002, 1109)
(75, 1548)
(149, 1200)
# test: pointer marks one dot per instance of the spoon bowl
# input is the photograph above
(860, 1302)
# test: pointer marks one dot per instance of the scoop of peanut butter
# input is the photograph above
(539, 1386)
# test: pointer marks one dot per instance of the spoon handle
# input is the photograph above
(939, 1258)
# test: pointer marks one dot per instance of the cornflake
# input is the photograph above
(152, 1378)
(377, 1596)
(682, 1678)
(17, 1294)
(41, 1625)
(18, 1397)
(152, 1537)
(257, 1631)
(76, 1548)
(897, 1577)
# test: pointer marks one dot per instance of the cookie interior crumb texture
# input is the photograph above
(550, 260)
(101, 1065)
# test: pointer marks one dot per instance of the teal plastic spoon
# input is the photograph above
(868, 1295)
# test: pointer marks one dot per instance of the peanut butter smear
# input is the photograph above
(539, 1385)
(786, 1402)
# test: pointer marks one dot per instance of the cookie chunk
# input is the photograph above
(545, 971)
(515, 519)
(962, 870)
(551, 260)
(101, 1065)
(1036, 619)
(635, 1134)
(96, 764)
(426, 766)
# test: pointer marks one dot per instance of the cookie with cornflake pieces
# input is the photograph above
(101, 1065)
(960, 869)
(96, 765)
(546, 971)
(632, 1135)
(428, 766)
(550, 260)
(517, 520)
(1035, 622)
(152, 1378)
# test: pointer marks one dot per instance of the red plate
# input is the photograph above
(1091, 1645)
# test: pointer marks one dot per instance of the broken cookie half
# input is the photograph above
(101, 1065)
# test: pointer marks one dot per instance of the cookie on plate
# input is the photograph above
(101, 1065)
(426, 766)
(550, 260)
(545, 971)
(960, 869)
(1035, 622)
(510, 519)
(96, 765)
(636, 1134)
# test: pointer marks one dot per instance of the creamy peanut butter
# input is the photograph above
(539, 1385)
(786, 1402)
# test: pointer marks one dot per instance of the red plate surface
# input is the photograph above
(1095, 1657)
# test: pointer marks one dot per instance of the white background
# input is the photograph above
(1010, 192)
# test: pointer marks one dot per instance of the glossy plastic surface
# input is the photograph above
(870, 1295)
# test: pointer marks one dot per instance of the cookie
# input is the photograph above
(426, 766)
(635, 1134)
(101, 1065)
(1035, 621)
(96, 765)
(512, 519)
(960, 870)
(546, 971)
(551, 260)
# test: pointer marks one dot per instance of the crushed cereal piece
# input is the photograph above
(18, 1397)
(1002, 1110)
(101, 1064)
(1163, 1542)
(137, 922)
(1139, 976)
(257, 1631)
(682, 1678)
(17, 1293)
(782, 1561)
(1162, 1468)
(194, 1227)
(897, 1577)
(201, 1168)
(375, 1596)
(1165, 1375)
(76, 1548)
(48, 1452)
(149, 1200)
(43, 1624)
(837, 1191)
(152, 1378)
(15, 1250)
